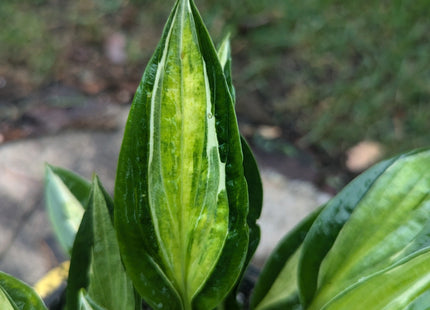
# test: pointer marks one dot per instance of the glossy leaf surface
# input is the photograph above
(16, 295)
(66, 196)
(326, 227)
(389, 223)
(402, 286)
(180, 194)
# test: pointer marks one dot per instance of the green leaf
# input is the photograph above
(277, 287)
(390, 222)
(77, 185)
(402, 286)
(16, 295)
(80, 262)
(109, 285)
(255, 198)
(250, 167)
(96, 263)
(66, 196)
(252, 176)
(422, 302)
(86, 303)
(180, 193)
(224, 56)
(5, 302)
(324, 231)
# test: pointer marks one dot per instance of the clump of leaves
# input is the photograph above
(181, 229)
(360, 248)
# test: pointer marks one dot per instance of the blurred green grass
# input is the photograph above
(331, 73)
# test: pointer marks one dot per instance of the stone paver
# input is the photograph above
(285, 203)
(27, 247)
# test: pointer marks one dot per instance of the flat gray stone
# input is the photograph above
(285, 203)
(27, 246)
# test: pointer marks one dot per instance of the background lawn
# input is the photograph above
(328, 73)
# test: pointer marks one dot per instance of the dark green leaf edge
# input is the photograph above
(80, 260)
(255, 197)
(253, 179)
(280, 256)
(251, 171)
(250, 167)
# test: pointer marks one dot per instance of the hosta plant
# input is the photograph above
(367, 248)
(181, 228)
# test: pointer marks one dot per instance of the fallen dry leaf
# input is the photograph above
(269, 132)
(363, 155)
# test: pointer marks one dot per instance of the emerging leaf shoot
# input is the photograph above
(181, 197)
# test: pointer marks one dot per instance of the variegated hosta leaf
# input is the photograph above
(380, 227)
(180, 193)
(16, 295)
(66, 196)
(327, 226)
